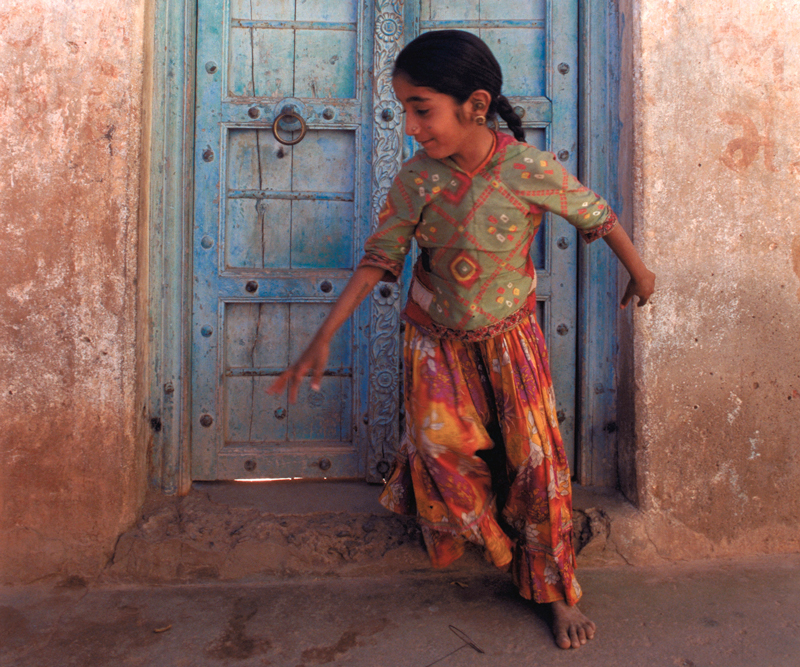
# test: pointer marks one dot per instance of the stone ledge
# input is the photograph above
(223, 532)
(229, 532)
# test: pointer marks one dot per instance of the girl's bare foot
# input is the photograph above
(570, 627)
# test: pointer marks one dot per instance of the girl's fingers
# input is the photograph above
(280, 384)
(293, 386)
(310, 363)
(316, 379)
(629, 292)
(298, 373)
(634, 289)
(293, 377)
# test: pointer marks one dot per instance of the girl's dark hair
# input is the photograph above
(457, 63)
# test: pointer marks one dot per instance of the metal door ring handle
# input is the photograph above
(287, 115)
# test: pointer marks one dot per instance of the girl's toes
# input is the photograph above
(563, 640)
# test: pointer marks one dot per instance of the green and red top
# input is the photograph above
(474, 277)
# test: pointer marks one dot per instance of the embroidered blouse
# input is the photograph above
(474, 277)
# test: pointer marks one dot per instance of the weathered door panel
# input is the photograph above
(276, 233)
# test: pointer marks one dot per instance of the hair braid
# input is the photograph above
(510, 116)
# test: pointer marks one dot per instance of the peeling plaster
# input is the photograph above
(736, 411)
(754, 444)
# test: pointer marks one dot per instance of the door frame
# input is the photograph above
(165, 268)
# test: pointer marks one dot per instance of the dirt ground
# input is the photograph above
(292, 575)
(723, 613)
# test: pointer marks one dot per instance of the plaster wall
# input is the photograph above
(716, 174)
(71, 474)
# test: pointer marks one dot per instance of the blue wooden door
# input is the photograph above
(281, 208)
(297, 139)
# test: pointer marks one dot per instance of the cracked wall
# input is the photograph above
(717, 360)
(71, 477)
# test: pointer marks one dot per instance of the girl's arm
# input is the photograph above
(315, 357)
(642, 282)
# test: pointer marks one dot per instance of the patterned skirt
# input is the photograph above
(482, 459)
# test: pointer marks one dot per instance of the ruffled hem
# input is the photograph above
(559, 583)
(445, 541)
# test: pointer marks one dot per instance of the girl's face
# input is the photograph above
(437, 121)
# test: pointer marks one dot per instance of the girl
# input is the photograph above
(481, 458)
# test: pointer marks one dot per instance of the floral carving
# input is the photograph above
(389, 26)
(384, 346)
(387, 114)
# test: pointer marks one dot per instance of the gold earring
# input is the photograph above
(480, 120)
(478, 106)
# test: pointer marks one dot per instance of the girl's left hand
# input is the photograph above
(642, 286)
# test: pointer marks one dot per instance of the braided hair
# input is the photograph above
(457, 63)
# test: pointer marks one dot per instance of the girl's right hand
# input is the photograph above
(314, 359)
(312, 362)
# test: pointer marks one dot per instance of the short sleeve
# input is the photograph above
(388, 245)
(552, 188)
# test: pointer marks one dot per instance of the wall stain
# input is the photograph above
(768, 55)
(742, 152)
(108, 135)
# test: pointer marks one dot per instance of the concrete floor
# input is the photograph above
(726, 613)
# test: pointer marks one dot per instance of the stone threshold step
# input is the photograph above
(235, 531)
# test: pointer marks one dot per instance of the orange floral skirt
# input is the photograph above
(482, 458)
